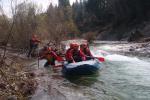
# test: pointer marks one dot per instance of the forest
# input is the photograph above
(91, 19)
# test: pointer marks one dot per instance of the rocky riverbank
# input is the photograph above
(127, 48)
(17, 81)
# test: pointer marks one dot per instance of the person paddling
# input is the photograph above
(85, 49)
(34, 42)
(67, 55)
(75, 55)
(50, 56)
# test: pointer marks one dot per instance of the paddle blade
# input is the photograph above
(60, 59)
(101, 59)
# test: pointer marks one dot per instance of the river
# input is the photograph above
(121, 78)
(126, 76)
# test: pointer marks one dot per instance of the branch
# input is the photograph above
(9, 32)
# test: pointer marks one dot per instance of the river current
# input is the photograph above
(121, 78)
(124, 77)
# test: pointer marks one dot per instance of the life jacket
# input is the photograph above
(50, 58)
(67, 55)
(76, 56)
(34, 41)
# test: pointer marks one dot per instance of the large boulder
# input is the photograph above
(135, 35)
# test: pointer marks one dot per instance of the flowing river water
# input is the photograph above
(121, 78)
(127, 76)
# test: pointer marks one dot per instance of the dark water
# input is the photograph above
(121, 78)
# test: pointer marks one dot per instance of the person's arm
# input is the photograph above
(54, 54)
(58, 58)
(89, 52)
(83, 56)
(38, 40)
(70, 56)
(35, 39)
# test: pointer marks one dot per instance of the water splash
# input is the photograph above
(128, 75)
(116, 57)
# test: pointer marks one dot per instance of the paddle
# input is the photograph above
(101, 59)
(60, 59)
(38, 58)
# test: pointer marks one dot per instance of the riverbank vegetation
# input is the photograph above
(16, 82)
(91, 19)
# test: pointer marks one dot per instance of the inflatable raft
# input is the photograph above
(82, 68)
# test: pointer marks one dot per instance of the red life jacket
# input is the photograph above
(34, 41)
(77, 55)
(67, 56)
(49, 56)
